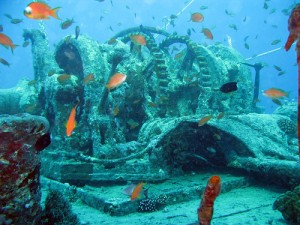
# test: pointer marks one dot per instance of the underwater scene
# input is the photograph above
(139, 112)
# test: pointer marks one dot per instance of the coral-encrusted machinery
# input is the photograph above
(152, 117)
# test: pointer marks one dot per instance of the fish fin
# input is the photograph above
(54, 13)
(13, 47)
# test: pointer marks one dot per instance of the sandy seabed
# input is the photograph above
(251, 205)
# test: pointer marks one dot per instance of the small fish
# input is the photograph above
(112, 41)
(67, 23)
(133, 124)
(245, 18)
(116, 80)
(7, 42)
(127, 7)
(25, 44)
(8, 16)
(16, 21)
(275, 93)
(4, 62)
(101, 18)
(272, 11)
(221, 115)
(204, 120)
(245, 38)
(110, 27)
(281, 73)
(67, 39)
(197, 17)
(71, 123)
(32, 82)
(277, 68)
(211, 192)
(152, 104)
(229, 87)
(137, 191)
(138, 39)
(1, 28)
(116, 111)
(189, 32)
(277, 101)
(203, 7)
(51, 72)
(89, 78)
(246, 45)
(266, 5)
(180, 54)
(275, 42)
(233, 26)
(207, 33)
(77, 32)
(173, 17)
(129, 189)
(229, 13)
(62, 79)
(40, 11)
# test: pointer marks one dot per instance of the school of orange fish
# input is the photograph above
(40, 11)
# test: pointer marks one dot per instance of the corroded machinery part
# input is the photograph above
(22, 137)
(160, 68)
(43, 60)
(195, 54)
(179, 144)
(142, 29)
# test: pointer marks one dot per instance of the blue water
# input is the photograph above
(260, 24)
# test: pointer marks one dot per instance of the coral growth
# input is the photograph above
(150, 205)
(289, 205)
(58, 210)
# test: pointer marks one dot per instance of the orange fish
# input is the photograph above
(275, 93)
(71, 123)
(137, 191)
(207, 33)
(294, 27)
(116, 80)
(221, 115)
(138, 39)
(88, 78)
(7, 42)
(116, 110)
(63, 78)
(112, 41)
(197, 17)
(205, 210)
(204, 120)
(40, 11)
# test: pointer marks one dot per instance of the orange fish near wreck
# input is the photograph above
(197, 17)
(208, 34)
(40, 11)
(137, 190)
(138, 39)
(206, 208)
(204, 120)
(275, 93)
(71, 123)
(7, 42)
(116, 80)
